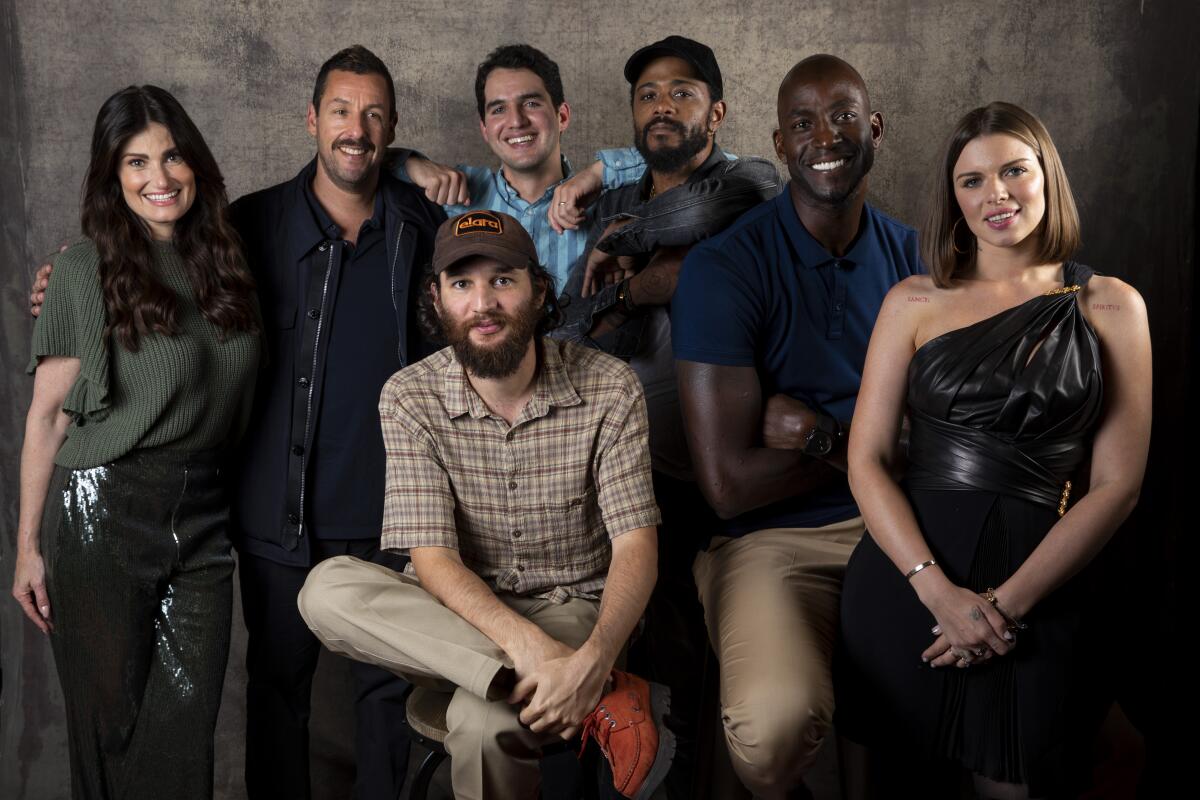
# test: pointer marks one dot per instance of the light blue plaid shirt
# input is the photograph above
(490, 191)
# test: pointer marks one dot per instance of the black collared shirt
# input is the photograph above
(345, 489)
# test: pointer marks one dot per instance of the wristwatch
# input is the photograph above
(820, 440)
(624, 299)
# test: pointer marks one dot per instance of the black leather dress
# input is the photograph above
(1002, 416)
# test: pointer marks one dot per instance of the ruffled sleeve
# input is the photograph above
(72, 324)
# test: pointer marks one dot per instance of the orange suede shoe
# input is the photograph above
(628, 727)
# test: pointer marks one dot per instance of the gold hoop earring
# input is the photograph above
(954, 237)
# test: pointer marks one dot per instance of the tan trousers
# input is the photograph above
(373, 614)
(771, 607)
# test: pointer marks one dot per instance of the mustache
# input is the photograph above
(673, 124)
(362, 143)
(491, 318)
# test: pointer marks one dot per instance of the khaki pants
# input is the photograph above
(771, 607)
(373, 614)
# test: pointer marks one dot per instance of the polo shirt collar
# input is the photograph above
(323, 222)
(309, 224)
(553, 388)
(513, 197)
(812, 253)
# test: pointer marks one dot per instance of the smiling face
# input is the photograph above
(827, 134)
(158, 186)
(1001, 189)
(520, 123)
(673, 117)
(489, 312)
(353, 128)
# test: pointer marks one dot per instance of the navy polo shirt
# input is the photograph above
(765, 294)
(345, 485)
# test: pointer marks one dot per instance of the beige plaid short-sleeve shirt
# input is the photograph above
(530, 507)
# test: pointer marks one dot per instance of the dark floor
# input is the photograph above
(333, 758)
(1120, 755)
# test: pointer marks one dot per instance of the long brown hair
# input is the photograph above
(136, 300)
(948, 251)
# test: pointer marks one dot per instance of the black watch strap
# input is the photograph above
(625, 298)
(824, 437)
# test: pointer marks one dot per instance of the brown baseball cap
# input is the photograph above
(483, 233)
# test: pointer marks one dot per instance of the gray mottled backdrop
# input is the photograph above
(1116, 81)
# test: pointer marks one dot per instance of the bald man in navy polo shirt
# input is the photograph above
(770, 325)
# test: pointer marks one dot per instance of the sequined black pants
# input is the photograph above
(139, 573)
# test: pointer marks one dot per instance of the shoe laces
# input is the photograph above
(599, 726)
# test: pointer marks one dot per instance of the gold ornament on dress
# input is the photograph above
(1074, 287)
(1062, 501)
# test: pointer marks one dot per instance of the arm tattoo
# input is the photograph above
(657, 289)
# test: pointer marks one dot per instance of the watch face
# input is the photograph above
(819, 443)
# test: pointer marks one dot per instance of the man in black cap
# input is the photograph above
(618, 299)
(518, 481)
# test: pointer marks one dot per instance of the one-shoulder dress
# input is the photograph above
(1002, 413)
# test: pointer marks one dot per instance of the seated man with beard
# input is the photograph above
(518, 480)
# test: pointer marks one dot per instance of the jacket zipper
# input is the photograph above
(395, 308)
(312, 381)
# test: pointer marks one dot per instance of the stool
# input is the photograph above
(426, 713)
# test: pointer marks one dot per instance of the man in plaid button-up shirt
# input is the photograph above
(518, 480)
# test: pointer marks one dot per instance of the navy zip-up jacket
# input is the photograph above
(293, 261)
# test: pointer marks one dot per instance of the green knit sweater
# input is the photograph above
(187, 392)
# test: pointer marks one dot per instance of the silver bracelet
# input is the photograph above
(919, 567)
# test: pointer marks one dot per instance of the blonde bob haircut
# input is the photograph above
(947, 251)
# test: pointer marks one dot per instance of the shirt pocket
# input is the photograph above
(280, 318)
(571, 537)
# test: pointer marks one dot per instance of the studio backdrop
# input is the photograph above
(1117, 83)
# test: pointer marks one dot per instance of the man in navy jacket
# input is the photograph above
(337, 252)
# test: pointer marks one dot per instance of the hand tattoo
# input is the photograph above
(976, 614)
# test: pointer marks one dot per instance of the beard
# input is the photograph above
(340, 178)
(671, 159)
(503, 358)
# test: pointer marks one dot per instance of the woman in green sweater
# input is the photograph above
(144, 359)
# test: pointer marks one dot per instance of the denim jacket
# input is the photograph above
(715, 195)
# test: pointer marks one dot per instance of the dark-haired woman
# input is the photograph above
(144, 359)
(1026, 380)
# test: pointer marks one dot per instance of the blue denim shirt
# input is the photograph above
(491, 191)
